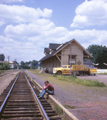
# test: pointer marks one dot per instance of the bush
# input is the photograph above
(4, 66)
(1, 67)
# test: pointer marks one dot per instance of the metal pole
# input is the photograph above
(70, 59)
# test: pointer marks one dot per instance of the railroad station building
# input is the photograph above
(62, 54)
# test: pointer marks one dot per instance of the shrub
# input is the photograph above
(54, 75)
(4, 66)
(1, 67)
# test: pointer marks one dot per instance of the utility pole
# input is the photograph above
(8, 58)
(70, 58)
(15, 64)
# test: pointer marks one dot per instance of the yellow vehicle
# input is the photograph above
(93, 71)
(77, 69)
(64, 69)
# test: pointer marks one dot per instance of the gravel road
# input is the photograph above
(6, 78)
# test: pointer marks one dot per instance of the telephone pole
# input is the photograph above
(8, 58)
(70, 58)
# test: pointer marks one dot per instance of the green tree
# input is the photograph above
(99, 54)
(28, 65)
(24, 65)
(34, 64)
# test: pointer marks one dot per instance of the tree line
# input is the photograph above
(24, 65)
(98, 52)
(29, 65)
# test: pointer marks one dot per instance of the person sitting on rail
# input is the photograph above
(47, 88)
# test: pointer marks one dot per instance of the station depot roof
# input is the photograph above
(61, 47)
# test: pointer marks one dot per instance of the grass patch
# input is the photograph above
(28, 76)
(68, 106)
(77, 80)
(66, 79)
(58, 110)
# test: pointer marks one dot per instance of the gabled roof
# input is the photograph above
(53, 46)
(88, 62)
(73, 40)
(61, 47)
(52, 54)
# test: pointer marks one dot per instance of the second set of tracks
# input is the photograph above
(19, 101)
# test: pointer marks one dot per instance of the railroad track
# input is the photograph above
(19, 101)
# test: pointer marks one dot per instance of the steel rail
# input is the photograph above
(45, 114)
(4, 102)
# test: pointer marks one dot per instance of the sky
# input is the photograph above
(28, 26)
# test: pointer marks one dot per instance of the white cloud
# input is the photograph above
(91, 13)
(42, 29)
(9, 1)
(44, 33)
(2, 23)
(22, 14)
(19, 50)
(34, 31)
(47, 12)
(41, 26)
(89, 37)
(33, 46)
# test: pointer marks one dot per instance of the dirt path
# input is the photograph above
(6, 78)
(86, 103)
